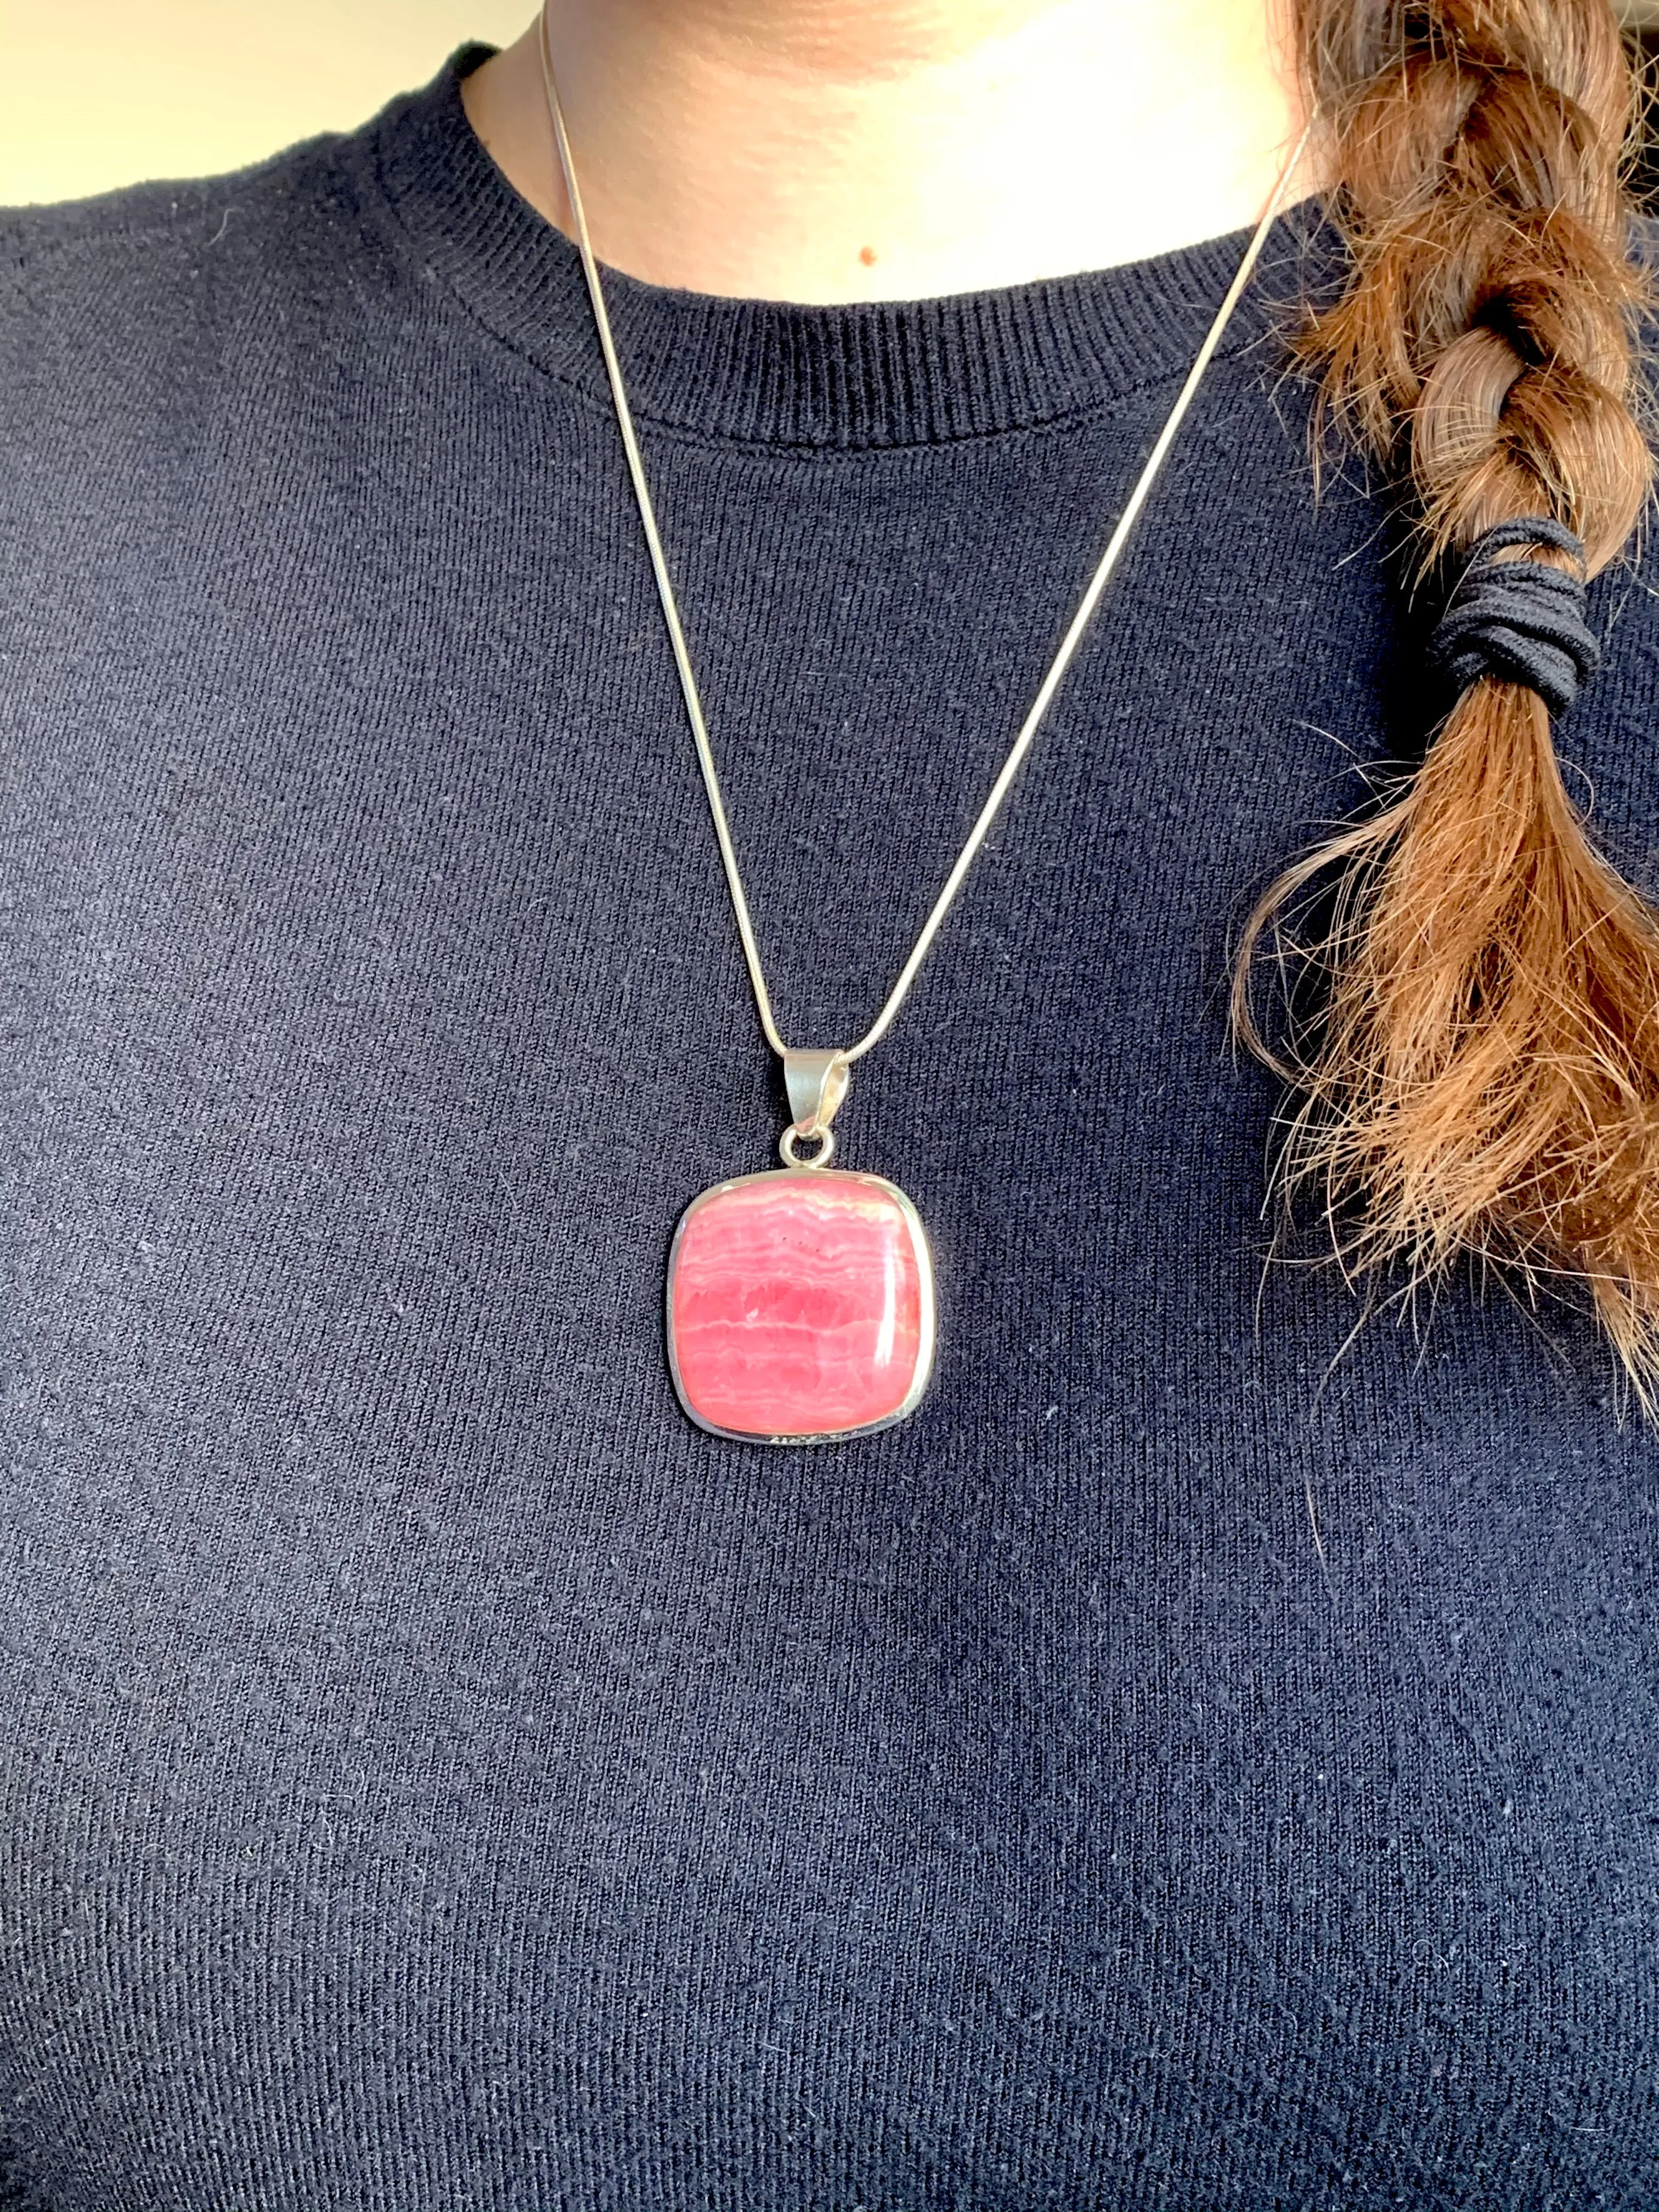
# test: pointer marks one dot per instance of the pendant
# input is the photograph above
(800, 1300)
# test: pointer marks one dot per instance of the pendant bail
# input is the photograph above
(816, 1083)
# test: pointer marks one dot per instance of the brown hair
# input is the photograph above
(1482, 1073)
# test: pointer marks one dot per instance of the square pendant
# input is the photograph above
(800, 1306)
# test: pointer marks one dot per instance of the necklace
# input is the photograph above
(801, 1306)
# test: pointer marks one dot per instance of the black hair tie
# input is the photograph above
(1520, 621)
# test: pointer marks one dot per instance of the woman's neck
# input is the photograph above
(854, 149)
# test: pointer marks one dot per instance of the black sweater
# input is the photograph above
(437, 1777)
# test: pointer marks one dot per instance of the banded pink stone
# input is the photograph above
(800, 1304)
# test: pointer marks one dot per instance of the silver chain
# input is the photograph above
(1051, 682)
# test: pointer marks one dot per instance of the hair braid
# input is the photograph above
(1483, 1072)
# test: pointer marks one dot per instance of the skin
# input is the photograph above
(834, 150)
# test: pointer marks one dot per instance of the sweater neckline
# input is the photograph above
(882, 373)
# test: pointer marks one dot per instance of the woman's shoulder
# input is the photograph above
(60, 235)
(140, 292)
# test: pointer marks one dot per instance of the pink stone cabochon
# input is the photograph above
(800, 1304)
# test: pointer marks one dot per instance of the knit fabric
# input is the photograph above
(1208, 1757)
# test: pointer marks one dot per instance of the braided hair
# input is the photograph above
(1481, 1071)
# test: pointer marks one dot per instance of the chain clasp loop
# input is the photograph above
(816, 1083)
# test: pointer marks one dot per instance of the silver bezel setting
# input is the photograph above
(929, 1321)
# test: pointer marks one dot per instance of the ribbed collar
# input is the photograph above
(918, 372)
